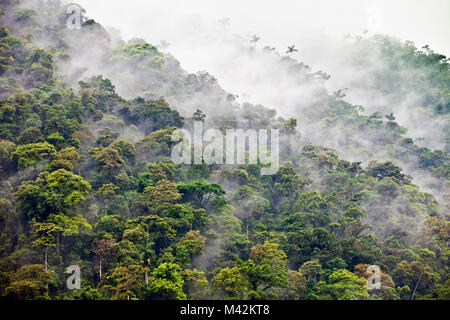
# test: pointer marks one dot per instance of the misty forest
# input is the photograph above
(87, 180)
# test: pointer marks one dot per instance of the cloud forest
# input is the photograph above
(89, 190)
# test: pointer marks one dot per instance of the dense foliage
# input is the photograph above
(87, 180)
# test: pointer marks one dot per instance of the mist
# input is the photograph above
(216, 40)
(359, 96)
(210, 36)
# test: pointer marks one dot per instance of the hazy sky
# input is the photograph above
(279, 22)
(200, 42)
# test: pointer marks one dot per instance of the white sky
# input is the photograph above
(278, 22)
(199, 42)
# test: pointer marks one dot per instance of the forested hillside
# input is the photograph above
(86, 176)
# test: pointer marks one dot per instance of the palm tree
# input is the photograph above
(232, 97)
(269, 49)
(255, 39)
(390, 117)
(225, 22)
(341, 93)
(291, 50)
(163, 45)
(323, 76)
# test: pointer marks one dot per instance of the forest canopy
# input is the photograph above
(86, 177)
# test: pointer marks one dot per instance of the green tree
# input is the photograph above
(30, 135)
(58, 192)
(284, 188)
(102, 250)
(6, 149)
(386, 169)
(231, 283)
(296, 287)
(45, 234)
(66, 159)
(291, 50)
(126, 149)
(195, 283)
(311, 269)
(343, 285)
(30, 282)
(250, 204)
(107, 192)
(190, 245)
(31, 154)
(199, 116)
(158, 143)
(166, 283)
(125, 282)
(200, 192)
(154, 115)
(161, 171)
(266, 268)
(108, 162)
(161, 196)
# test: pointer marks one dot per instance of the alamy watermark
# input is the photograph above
(374, 280)
(74, 281)
(229, 149)
(74, 13)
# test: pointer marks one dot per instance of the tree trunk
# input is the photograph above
(45, 259)
(147, 261)
(417, 285)
(247, 226)
(57, 242)
(100, 269)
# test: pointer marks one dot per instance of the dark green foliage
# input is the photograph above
(86, 178)
(154, 115)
